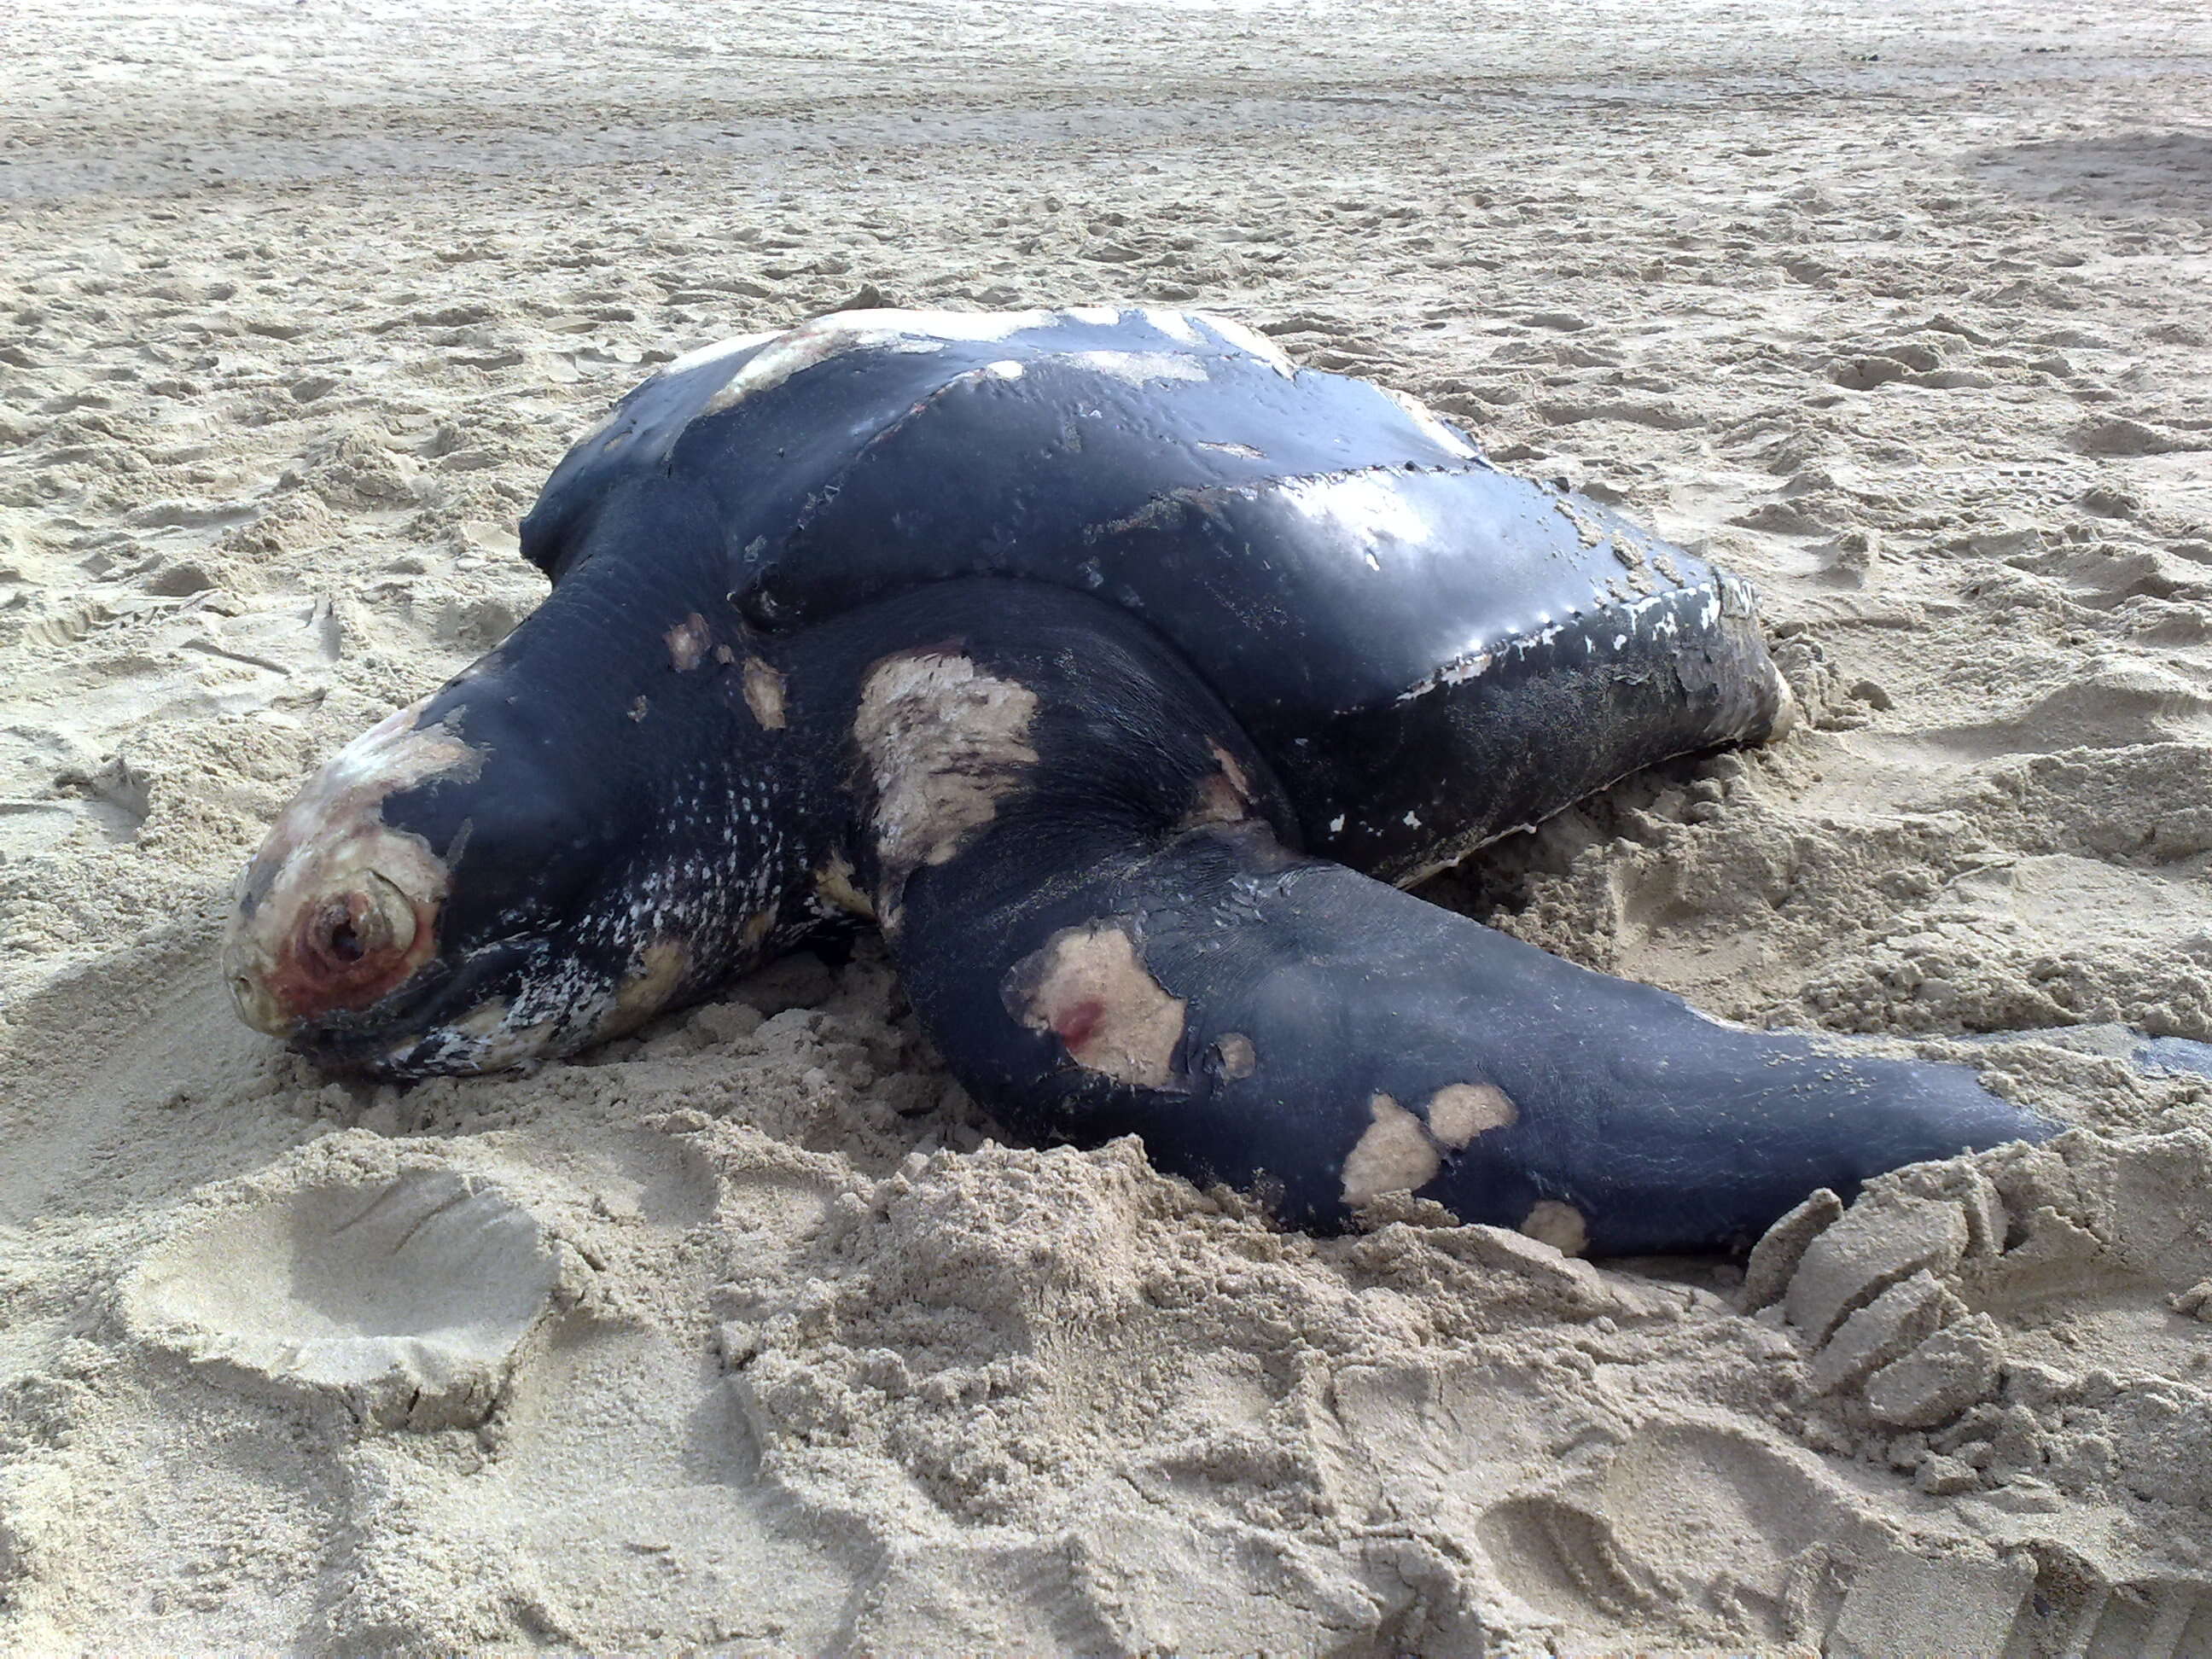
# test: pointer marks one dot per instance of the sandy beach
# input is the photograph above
(751, 1333)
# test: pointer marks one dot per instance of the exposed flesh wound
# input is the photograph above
(1089, 988)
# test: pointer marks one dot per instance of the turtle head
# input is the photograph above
(517, 866)
(340, 909)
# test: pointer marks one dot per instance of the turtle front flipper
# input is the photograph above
(1089, 879)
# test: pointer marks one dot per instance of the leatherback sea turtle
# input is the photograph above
(1116, 668)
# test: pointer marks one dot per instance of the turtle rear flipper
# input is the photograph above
(1090, 880)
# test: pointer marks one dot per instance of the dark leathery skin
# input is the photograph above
(1637, 1120)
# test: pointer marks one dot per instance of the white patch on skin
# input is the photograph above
(1176, 326)
(1559, 1226)
(1395, 1155)
(700, 355)
(1432, 428)
(1088, 987)
(1005, 369)
(1246, 339)
(330, 860)
(688, 641)
(1238, 1058)
(1459, 1111)
(764, 694)
(944, 741)
(832, 335)
(1142, 368)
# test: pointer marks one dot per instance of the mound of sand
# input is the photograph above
(747, 1334)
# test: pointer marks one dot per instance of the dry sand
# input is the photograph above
(746, 1336)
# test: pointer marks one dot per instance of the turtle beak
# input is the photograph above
(339, 910)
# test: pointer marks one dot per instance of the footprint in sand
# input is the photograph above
(404, 1295)
(2027, 1332)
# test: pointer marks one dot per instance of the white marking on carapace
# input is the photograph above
(1557, 1224)
(1395, 1155)
(1088, 986)
(1431, 427)
(1369, 509)
(688, 641)
(1175, 326)
(330, 859)
(1239, 1058)
(698, 357)
(944, 741)
(1459, 1112)
(1006, 368)
(1142, 367)
(824, 337)
(1245, 339)
(1244, 450)
(765, 689)
(638, 707)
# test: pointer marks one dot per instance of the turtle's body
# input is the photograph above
(1429, 652)
(1102, 657)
